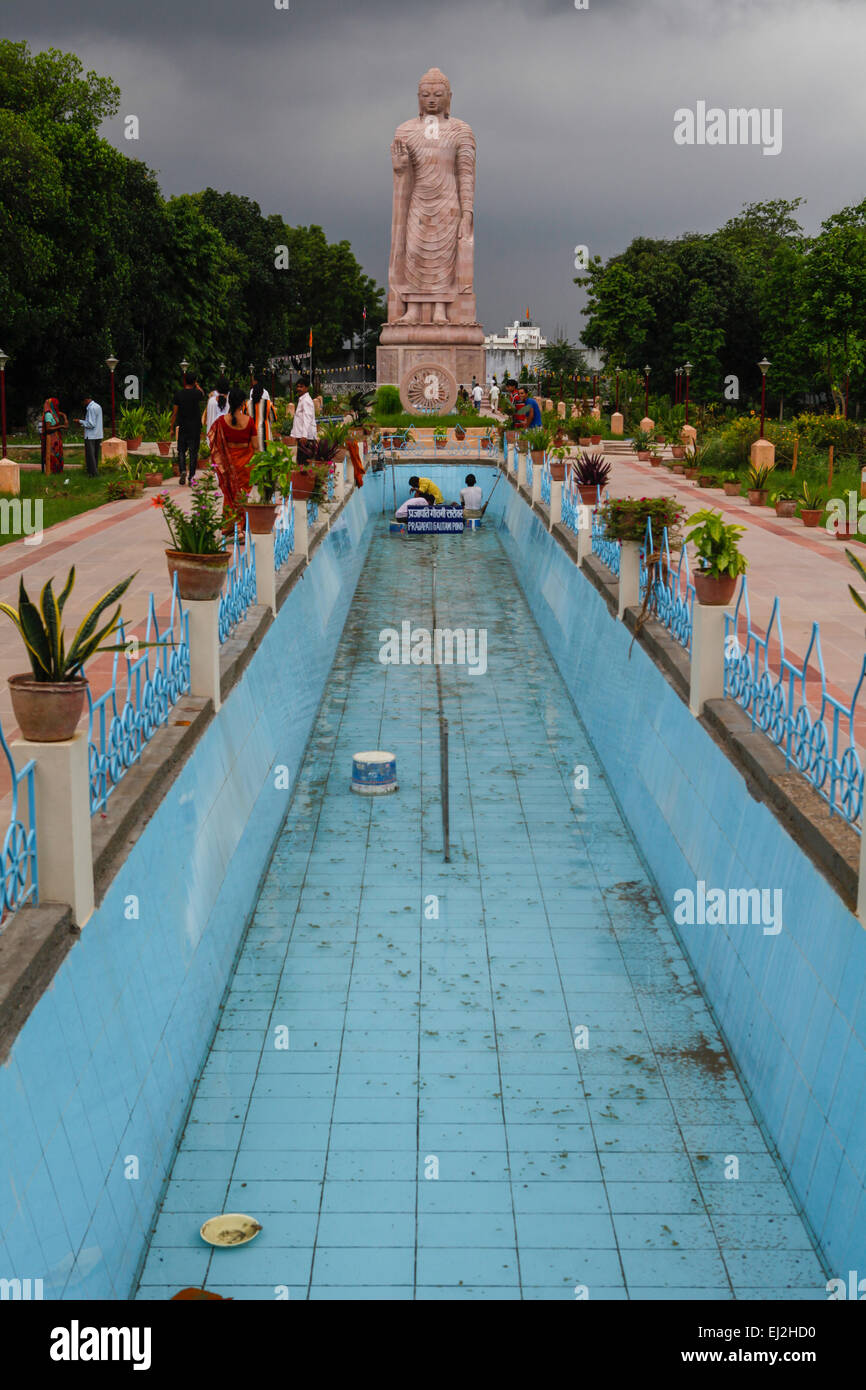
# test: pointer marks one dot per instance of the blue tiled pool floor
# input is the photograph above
(431, 1131)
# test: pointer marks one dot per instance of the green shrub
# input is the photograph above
(388, 401)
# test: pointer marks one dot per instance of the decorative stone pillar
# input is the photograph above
(629, 577)
(302, 533)
(688, 434)
(204, 648)
(560, 410)
(555, 504)
(647, 424)
(617, 424)
(64, 848)
(113, 448)
(266, 577)
(763, 454)
(707, 679)
(10, 477)
(340, 480)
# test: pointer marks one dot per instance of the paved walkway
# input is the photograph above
(431, 1130)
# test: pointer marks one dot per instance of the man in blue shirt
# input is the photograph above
(92, 423)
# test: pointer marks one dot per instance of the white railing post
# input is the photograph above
(861, 881)
(521, 469)
(629, 577)
(555, 503)
(340, 481)
(707, 675)
(302, 533)
(64, 848)
(536, 485)
(204, 649)
(584, 533)
(266, 575)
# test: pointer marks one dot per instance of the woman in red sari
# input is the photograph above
(53, 421)
(232, 440)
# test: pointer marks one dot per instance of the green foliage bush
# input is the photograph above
(388, 401)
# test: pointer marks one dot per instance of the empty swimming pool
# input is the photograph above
(493, 1078)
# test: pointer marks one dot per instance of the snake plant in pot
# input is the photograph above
(591, 473)
(720, 560)
(47, 703)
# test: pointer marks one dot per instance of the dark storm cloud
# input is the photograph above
(573, 113)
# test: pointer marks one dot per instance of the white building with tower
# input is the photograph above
(516, 347)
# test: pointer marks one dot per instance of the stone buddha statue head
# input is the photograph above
(434, 94)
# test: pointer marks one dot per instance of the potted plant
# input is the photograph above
(198, 555)
(123, 489)
(440, 437)
(732, 485)
(47, 704)
(758, 477)
(720, 560)
(625, 518)
(594, 436)
(537, 442)
(161, 421)
(270, 472)
(642, 444)
(591, 472)
(810, 504)
(785, 503)
(134, 471)
(133, 423)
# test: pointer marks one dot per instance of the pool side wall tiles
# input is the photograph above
(792, 1005)
(93, 1097)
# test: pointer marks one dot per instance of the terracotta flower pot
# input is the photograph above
(588, 494)
(643, 455)
(584, 440)
(714, 590)
(511, 436)
(809, 517)
(757, 497)
(175, 468)
(440, 443)
(133, 444)
(656, 460)
(704, 480)
(678, 451)
(303, 481)
(537, 457)
(679, 469)
(47, 711)
(164, 447)
(731, 489)
(693, 474)
(261, 517)
(595, 438)
(847, 532)
(557, 471)
(199, 577)
(153, 480)
(786, 508)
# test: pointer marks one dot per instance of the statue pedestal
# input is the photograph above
(457, 347)
(10, 477)
(113, 448)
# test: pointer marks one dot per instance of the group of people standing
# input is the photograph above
(54, 422)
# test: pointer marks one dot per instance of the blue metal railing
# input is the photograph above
(312, 513)
(19, 883)
(773, 691)
(331, 484)
(284, 532)
(240, 589)
(530, 469)
(120, 729)
(546, 480)
(672, 598)
(606, 550)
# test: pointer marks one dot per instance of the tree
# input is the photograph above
(562, 358)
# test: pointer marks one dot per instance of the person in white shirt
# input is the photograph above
(470, 497)
(418, 500)
(217, 404)
(92, 423)
(477, 394)
(304, 424)
(494, 396)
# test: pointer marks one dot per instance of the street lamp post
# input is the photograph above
(4, 358)
(688, 371)
(646, 375)
(847, 383)
(763, 364)
(111, 364)
(252, 369)
(617, 390)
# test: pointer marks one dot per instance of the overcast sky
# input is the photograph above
(573, 112)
